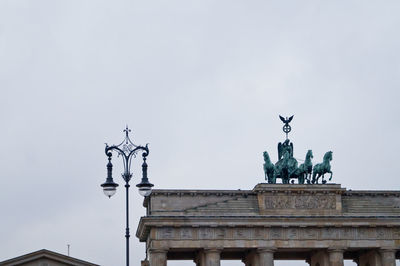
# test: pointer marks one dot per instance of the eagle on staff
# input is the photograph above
(286, 120)
(286, 145)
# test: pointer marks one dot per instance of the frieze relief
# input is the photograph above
(279, 233)
(325, 202)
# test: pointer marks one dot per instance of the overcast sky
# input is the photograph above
(203, 82)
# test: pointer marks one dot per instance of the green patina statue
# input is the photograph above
(305, 169)
(322, 168)
(269, 169)
(283, 147)
(286, 167)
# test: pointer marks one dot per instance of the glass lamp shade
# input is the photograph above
(109, 187)
(145, 191)
(144, 187)
(109, 191)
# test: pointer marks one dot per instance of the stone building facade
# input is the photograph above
(45, 257)
(320, 224)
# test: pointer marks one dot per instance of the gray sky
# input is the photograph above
(203, 82)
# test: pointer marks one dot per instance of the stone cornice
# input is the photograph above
(275, 188)
(181, 192)
(298, 189)
(385, 193)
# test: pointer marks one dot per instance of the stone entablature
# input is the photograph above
(277, 233)
(269, 228)
(319, 223)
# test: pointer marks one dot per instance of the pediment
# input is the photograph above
(45, 258)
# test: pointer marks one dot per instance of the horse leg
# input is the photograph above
(301, 179)
(274, 177)
(323, 180)
(271, 178)
(330, 178)
(308, 178)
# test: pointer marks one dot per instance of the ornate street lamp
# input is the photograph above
(127, 150)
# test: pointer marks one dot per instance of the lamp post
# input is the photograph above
(127, 150)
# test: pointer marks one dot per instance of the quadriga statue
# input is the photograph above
(286, 166)
(286, 169)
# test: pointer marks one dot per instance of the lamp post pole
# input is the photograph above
(127, 150)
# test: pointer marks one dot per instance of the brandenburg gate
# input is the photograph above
(319, 223)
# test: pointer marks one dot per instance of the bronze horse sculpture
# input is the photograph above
(286, 168)
(305, 169)
(269, 168)
(322, 168)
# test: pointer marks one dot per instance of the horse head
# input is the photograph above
(266, 157)
(328, 156)
(309, 154)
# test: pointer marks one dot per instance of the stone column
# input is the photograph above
(212, 257)
(320, 258)
(144, 263)
(335, 257)
(388, 257)
(200, 259)
(158, 257)
(370, 258)
(265, 256)
(248, 260)
(252, 259)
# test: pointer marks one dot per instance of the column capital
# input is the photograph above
(265, 256)
(158, 250)
(336, 249)
(266, 250)
(212, 256)
(158, 256)
(388, 249)
(336, 256)
(388, 256)
(212, 250)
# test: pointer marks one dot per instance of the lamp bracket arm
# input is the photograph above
(145, 150)
(109, 149)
